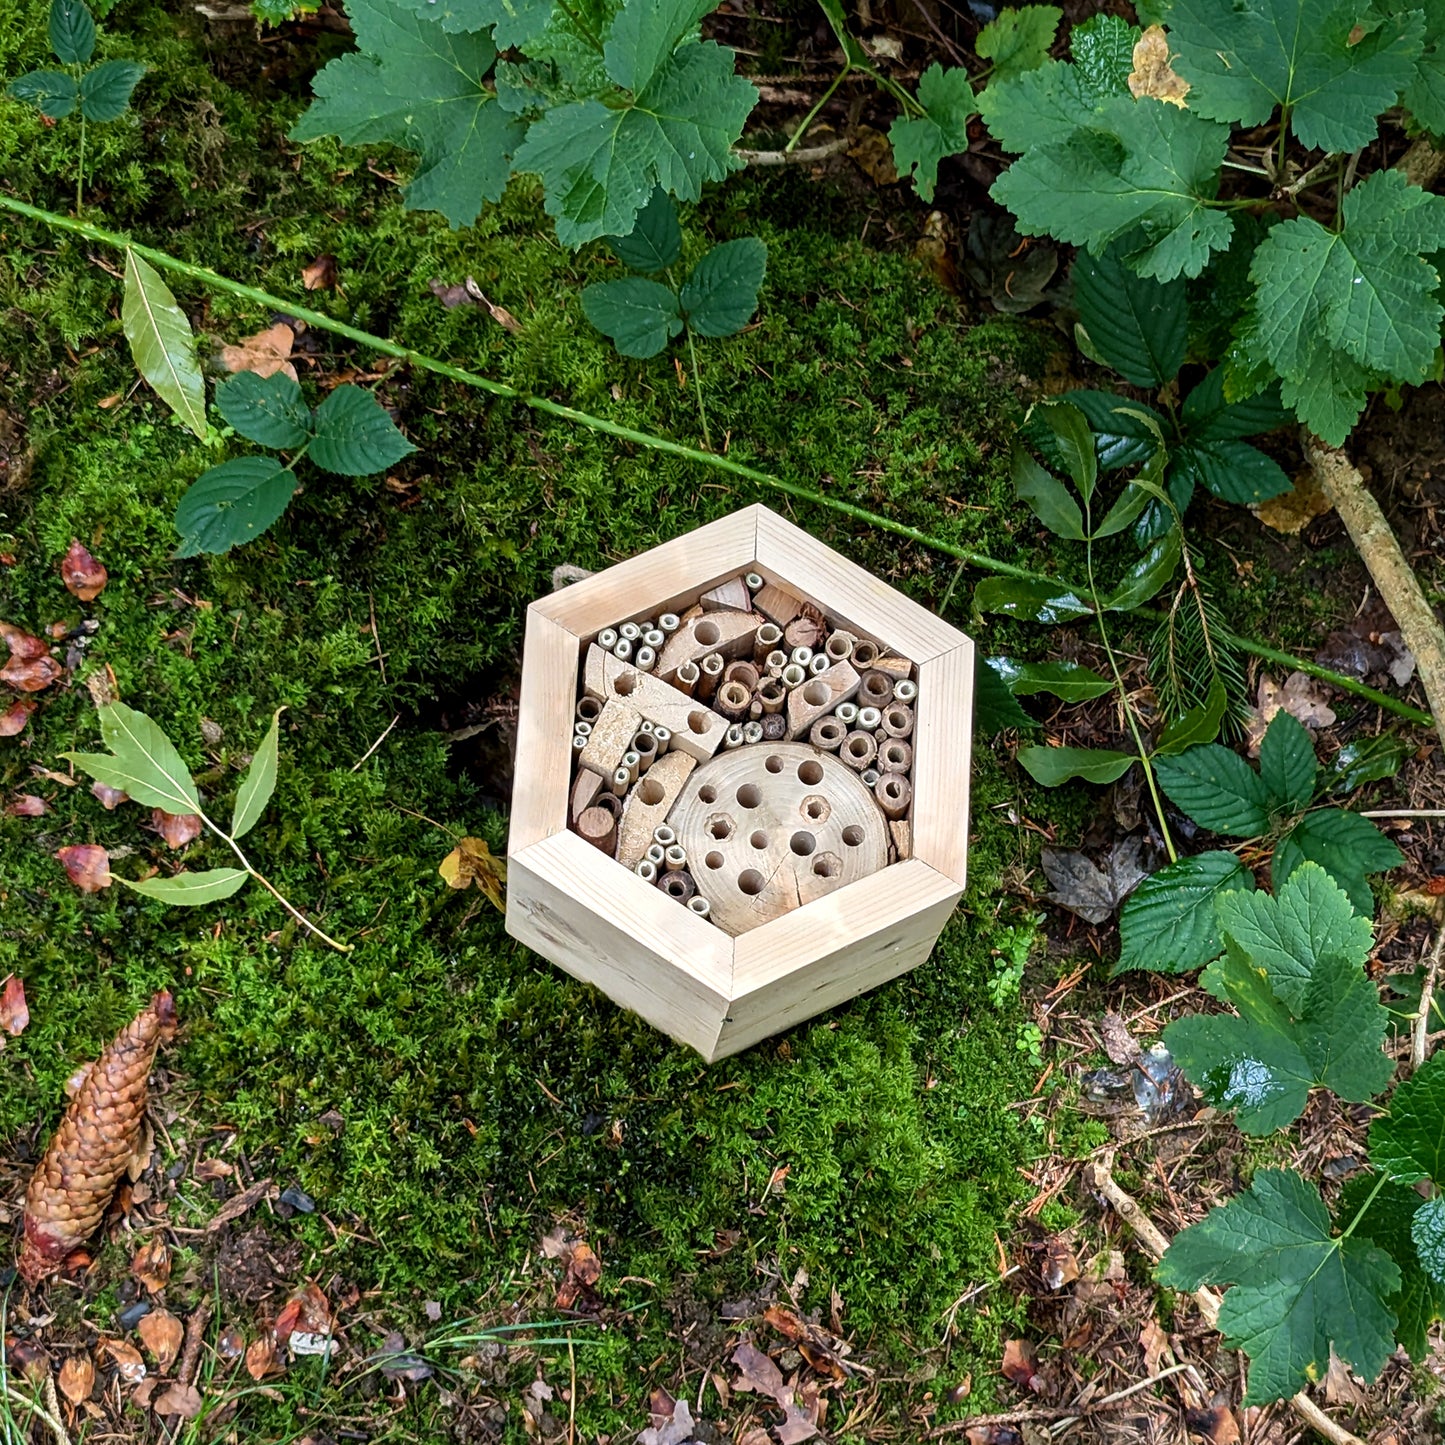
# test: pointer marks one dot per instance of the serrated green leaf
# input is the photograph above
(1138, 326)
(1241, 1065)
(105, 90)
(1046, 496)
(639, 316)
(232, 503)
(721, 294)
(655, 242)
(162, 344)
(416, 86)
(1127, 506)
(52, 92)
(644, 36)
(515, 22)
(1070, 681)
(1408, 1142)
(1298, 1290)
(1121, 437)
(1427, 1230)
(1233, 471)
(1198, 725)
(1341, 1031)
(1052, 766)
(1244, 61)
(1146, 576)
(1309, 918)
(267, 410)
(1044, 602)
(1424, 96)
(1018, 40)
(1169, 923)
(1287, 763)
(72, 31)
(1367, 760)
(994, 705)
(190, 889)
(142, 762)
(1103, 52)
(353, 436)
(1207, 416)
(1217, 789)
(921, 142)
(1345, 845)
(258, 782)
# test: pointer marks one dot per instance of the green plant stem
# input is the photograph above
(697, 388)
(380, 344)
(1364, 1208)
(80, 168)
(812, 115)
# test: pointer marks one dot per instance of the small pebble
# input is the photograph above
(297, 1198)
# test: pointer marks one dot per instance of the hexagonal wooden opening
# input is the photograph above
(602, 923)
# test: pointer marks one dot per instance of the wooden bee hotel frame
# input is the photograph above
(604, 924)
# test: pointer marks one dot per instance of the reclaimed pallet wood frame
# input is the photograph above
(601, 923)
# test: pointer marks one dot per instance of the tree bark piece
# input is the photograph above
(88, 1153)
(1342, 483)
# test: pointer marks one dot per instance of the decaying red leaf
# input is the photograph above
(88, 1153)
(24, 646)
(110, 798)
(261, 1359)
(88, 865)
(14, 1012)
(1021, 1364)
(820, 1349)
(578, 1287)
(27, 1359)
(162, 1333)
(84, 577)
(320, 275)
(77, 1378)
(305, 1312)
(152, 1265)
(30, 674)
(1216, 1424)
(179, 1400)
(27, 805)
(178, 829)
(265, 353)
(14, 718)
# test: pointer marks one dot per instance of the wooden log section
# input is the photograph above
(648, 805)
(695, 729)
(733, 634)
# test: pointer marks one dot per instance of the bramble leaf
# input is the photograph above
(1199, 725)
(232, 503)
(655, 242)
(1408, 1142)
(720, 296)
(1169, 922)
(189, 889)
(1103, 51)
(1345, 845)
(1287, 763)
(52, 92)
(921, 142)
(267, 410)
(1018, 40)
(1052, 766)
(105, 90)
(1298, 1290)
(353, 435)
(258, 782)
(1217, 789)
(639, 316)
(72, 31)
(515, 21)
(142, 762)
(1233, 471)
(1208, 417)
(1136, 325)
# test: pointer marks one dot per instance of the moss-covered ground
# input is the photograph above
(443, 1095)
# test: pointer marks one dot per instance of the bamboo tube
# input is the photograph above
(655, 854)
(794, 676)
(678, 884)
(895, 756)
(894, 793)
(668, 623)
(607, 639)
(905, 691)
(820, 664)
(752, 732)
(622, 649)
(599, 828)
(801, 655)
(753, 582)
(772, 694)
(699, 905)
(869, 718)
(846, 713)
(588, 709)
(732, 701)
(827, 733)
(839, 645)
(664, 835)
(622, 780)
(869, 777)
(664, 739)
(687, 678)
(775, 727)
(647, 871)
(579, 741)
(645, 660)
(611, 802)
(734, 738)
(770, 635)
(653, 637)
(858, 750)
(645, 746)
(630, 630)
(676, 855)
(776, 662)
(897, 720)
(865, 653)
(875, 689)
(581, 729)
(632, 761)
(711, 668)
(743, 672)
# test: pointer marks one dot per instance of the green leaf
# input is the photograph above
(258, 782)
(1072, 441)
(1287, 763)
(1244, 61)
(1217, 789)
(720, 296)
(655, 242)
(142, 762)
(189, 889)
(52, 92)
(994, 705)
(1424, 96)
(162, 344)
(1198, 725)
(644, 36)
(1048, 498)
(1141, 581)
(1169, 922)
(1308, 919)
(1345, 845)
(515, 21)
(1046, 602)
(1070, 681)
(1018, 40)
(1127, 506)
(1366, 760)
(1138, 326)
(1052, 766)
(638, 315)
(1103, 51)
(105, 91)
(1428, 1232)
(416, 86)
(1332, 308)
(232, 503)
(1408, 1142)
(1122, 437)
(1209, 417)
(353, 435)
(72, 32)
(921, 142)
(1298, 1290)
(1233, 471)
(267, 410)
(1388, 1222)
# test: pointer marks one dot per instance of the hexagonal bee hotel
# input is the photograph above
(742, 781)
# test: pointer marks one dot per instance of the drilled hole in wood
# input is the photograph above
(810, 772)
(816, 808)
(803, 843)
(774, 765)
(720, 827)
(817, 694)
(852, 835)
(696, 721)
(624, 684)
(750, 881)
(708, 633)
(827, 865)
(707, 794)
(714, 860)
(650, 792)
(749, 795)
(759, 839)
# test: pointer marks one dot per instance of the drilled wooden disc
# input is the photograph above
(775, 825)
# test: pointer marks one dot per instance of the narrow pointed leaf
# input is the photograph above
(162, 344)
(189, 889)
(1048, 498)
(1144, 579)
(1047, 602)
(1198, 725)
(142, 761)
(258, 782)
(1052, 766)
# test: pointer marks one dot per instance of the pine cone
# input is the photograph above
(74, 1182)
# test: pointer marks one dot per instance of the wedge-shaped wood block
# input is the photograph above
(696, 730)
(717, 993)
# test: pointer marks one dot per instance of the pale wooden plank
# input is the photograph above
(942, 741)
(544, 732)
(849, 595)
(604, 925)
(664, 579)
(834, 949)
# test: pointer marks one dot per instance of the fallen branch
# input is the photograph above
(795, 158)
(1420, 1034)
(1342, 483)
(1155, 1243)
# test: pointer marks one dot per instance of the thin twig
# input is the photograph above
(356, 765)
(795, 158)
(1404, 813)
(1420, 1035)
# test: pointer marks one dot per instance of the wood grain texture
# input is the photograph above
(601, 924)
(544, 732)
(649, 803)
(942, 742)
(696, 729)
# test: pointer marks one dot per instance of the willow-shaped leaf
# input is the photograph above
(162, 344)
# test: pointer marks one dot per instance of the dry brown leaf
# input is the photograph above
(1152, 75)
(261, 1359)
(265, 353)
(51, 776)
(1120, 1045)
(23, 645)
(584, 1269)
(162, 1333)
(1061, 1264)
(235, 1208)
(1021, 1364)
(28, 805)
(1302, 696)
(320, 275)
(77, 1378)
(1216, 1424)
(305, 1312)
(14, 1011)
(15, 717)
(471, 861)
(757, 1372)
(30, 675)
(178, 829)
(88, 1153)
(126, 1359)
(87, 864)
(821, 1351)
(179, 1400)
(872, 152)
(796, 1426)
(1293, 511)
(102, 686)
(209, 1169)
(1341, 1387)
(1157, 1348)
(468, 293)
(152, 1265)
(84, 577)
(106, 402)
(110, 798)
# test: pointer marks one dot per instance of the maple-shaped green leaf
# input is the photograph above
(353, 435)
(514, 22)
(1298, 1290)
(1408, 1142)
(921, 142)
(52, 92)
(1287, 763)
(639, 316)
(1347, 846)
(1424, 96)
(1170, 922)
(414, 85)
(1018, 40)
(1245, 60)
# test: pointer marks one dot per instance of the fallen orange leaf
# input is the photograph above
(265, 353)
(471, 861)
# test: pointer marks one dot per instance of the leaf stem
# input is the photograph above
(812, 115)
(1360, 1213)
(697, 388)
(80, 168)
